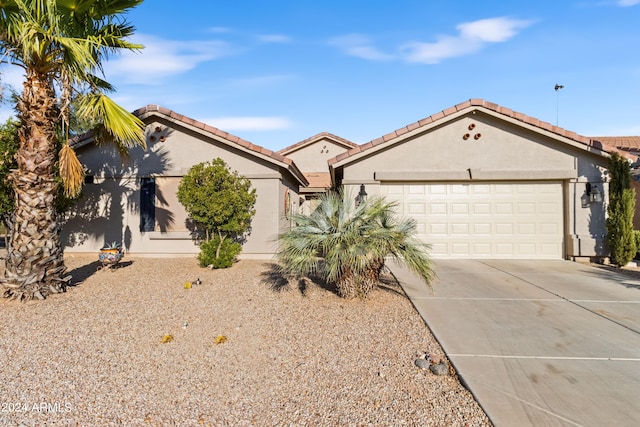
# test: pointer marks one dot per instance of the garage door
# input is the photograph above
(485, 220)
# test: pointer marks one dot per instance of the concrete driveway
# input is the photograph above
(539, 343)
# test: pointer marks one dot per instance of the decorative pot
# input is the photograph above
(109, 256)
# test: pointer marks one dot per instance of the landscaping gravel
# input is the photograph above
(290, 355)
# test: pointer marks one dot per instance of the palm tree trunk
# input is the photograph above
(347, 285)
(35, 263)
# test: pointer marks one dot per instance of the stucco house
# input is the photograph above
(631, 145)
(484, 181)
(311, 156)
(135, 202)
(481, 180)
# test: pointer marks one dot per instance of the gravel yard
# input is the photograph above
(295, 355)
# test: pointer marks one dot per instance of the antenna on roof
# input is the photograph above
(557, 87)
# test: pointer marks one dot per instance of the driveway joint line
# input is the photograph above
(530, 404)
(500, 356)
(562, 297)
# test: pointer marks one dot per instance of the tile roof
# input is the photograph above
(602, 144)
(626, 143)
(318, 179)
(205, 128)
(318, 137)
(212, 130)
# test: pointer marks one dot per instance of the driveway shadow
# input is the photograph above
(629, 278)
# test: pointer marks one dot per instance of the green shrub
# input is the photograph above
(229, 250)
(622, 202)
(222, 203)
(346, 244)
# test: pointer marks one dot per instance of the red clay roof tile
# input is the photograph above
(317, 137)
(231, 139)
(627, 143)
(319, 179)
(604, 143)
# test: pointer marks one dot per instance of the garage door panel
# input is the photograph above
(550, 229)
(481, 208)
(417, 208)
(438, 208)
(485, 220)
(482, 228)
(504, 208)
(527, 228)
(526, 208)
(503, 229)
(439, 229)
(548, 208)
(482, 249)
(459, 209)
(460, 229)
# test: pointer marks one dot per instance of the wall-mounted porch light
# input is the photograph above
(362, 196)
(591, 195)
(595, 195)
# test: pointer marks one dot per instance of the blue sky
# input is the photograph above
(278, 72)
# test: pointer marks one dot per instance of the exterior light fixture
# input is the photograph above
(362, 196)
(595, 195)
(591, 195)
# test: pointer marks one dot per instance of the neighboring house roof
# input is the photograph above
(591, 144)
(323, 135)
(626, 143)
(317, 181)
(212, 132)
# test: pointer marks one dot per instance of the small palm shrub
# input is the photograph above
(227, 253)
(346, 245)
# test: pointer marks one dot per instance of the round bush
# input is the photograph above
(228, 253)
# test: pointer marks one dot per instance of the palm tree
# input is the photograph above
(346, 245)
(60, 44)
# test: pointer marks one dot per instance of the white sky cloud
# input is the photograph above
(472, 37)
(219, 30)
(231, 124)
(626, 3)
(260, 81)
(274, 38)
(163, 58)
(359, 46)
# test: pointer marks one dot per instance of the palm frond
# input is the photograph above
(347, 244)
(125, 129)
(71, 171)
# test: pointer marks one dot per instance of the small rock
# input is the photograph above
(434, 358)
(422, 364)
(198, 281)
(439, 369)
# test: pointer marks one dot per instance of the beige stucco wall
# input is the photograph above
(313, 157)
(504, 151)
(110, 208)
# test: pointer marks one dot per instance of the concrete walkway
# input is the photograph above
(538, 343)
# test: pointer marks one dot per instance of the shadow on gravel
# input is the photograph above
(80, 274)
(278, 282)
(389, 283)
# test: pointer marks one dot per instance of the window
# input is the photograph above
(147, 204)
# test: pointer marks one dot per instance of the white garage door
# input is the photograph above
(485, 220)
